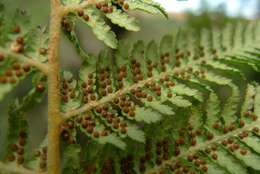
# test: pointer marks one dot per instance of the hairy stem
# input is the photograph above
(54, 117)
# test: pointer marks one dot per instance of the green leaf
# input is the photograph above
(249, 99)
(166, 44)
(71, 162)
(138, 50)
(217, 79)
(147, 115)
(251, 159)
(122, 19)
(180, 101)
(100, 28)
(17, 122)
(213, 109)
(147, 6)
(152, 51)
(257, 102)
(196, 117)
(159, 107)
(230, 107)
(181, 89)
(253, 142)
(227, 161)
(112, 139)
(136, 134)
(88, 67)
(34, 162)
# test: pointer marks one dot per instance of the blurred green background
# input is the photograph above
(196, 14)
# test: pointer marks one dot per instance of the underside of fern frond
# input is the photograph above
(189, 105)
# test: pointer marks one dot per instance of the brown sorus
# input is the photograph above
(18, 73)
(243, 151)
(90, 129)
(14, 147)
(105, 9)
(98, 109)
(193, 142)
(26, 68)
(256, 129)
(43, 165)
(126, 6)
(115, 125)
(241, 123)
(37, 153)
(123, 130)
(22, 141)
(92, 97)
(40, 87)
(230, 140)
(110, 9)
(179, 141)
(65, 135)
(20, 160)
(96, 134)
(84, 85)
(2, 57)
(45, 149)
(9, 72)
(169, 95)
(226, 129)
(131, 113)
(65, 98)
(125, 109)
(204, 168)
(20, 151)
(80, 13)
(210, 136)
(177, 151)
(11, 157)
(98, 5)
(16, 66)
(22, 134)
(235, 146)
(104, 133)
(253, 117)
(214, 156)
(20, 40)
(216, 125)
(16, 29)
(86, 17)
(123, 124)
(190, 158)
(44, 156)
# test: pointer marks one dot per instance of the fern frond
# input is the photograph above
(155, 86)
(94, 16)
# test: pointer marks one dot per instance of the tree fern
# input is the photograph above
(185, 105)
